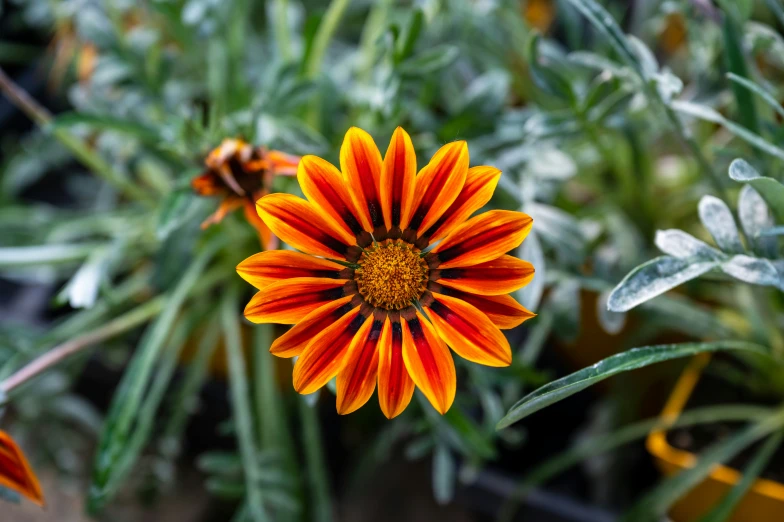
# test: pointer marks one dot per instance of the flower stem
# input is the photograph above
(317, 468)
(121, 324)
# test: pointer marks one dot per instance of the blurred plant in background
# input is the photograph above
(619, 120)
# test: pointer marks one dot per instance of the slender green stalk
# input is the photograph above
(241, 407)
(281, 28)
(321, 41)
(77, 147)
(371, 32)
(317, 468)
(56, 355)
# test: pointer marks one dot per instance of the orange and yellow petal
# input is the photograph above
(324, 355)
(290, 300)
(395, 387)
(323, 185)
(469, 332)
(15, 472)
(298, 223)
(482, 238)
(293, 342)
(357, 380)
(266, 237)
(429, 362)
(283, 164)
(271, 266)
(228, 205)
(398, 180)
(499, 276)
(360, 162)
(478, 189)
(503, 310)
(438, 185)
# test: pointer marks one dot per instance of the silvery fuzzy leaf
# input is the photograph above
(770, 189)
(753, 270)
(755, 218)
(717, 218)
(531, 251)
(678, 243)
(551, 164)
(654, 278)
(611, 322)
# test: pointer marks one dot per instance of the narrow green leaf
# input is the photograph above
(596, 445)
(656, 503)
(723, 510)
(619, 363)
(443, 475)
(735, 61)
(13, 257)
(108, 122)
(317, 479)
(241, 407)
(128, 398)
(429, 61)
(547, 79)
(759, 90)
(706, 113)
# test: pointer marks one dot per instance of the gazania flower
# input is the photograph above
(241, 174)
(15, 472)
(391, 271)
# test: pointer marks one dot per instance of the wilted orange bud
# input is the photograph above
(241, 174)
(15, 472)
(539, 14)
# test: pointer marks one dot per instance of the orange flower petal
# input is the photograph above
(469, 332)
(429, 362)
(283, 164)
(499, 276)
(395, 387)
(293, 342)
(323, 185)
(477, 191)
(297, 222)
(482, 238)
(398, 180)
(438, 184)
(229, 204)
(15, 472)
(271, 266)
(265, 234)
(503, 310)
(325, 354)
(290, 300)
(360, 162)
(357, 380)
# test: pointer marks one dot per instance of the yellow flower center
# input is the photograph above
(391, 275)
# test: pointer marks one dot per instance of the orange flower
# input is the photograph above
(241, 174)
(15, 472)
(370, 302)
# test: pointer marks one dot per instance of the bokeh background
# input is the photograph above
(611, 120)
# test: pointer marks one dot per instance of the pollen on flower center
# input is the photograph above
(391, 275)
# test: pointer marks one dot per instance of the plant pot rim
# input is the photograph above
(659, 447)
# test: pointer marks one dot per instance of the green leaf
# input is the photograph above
(220, 463)
(653, 278)
(770, 189)
(723, 510)
(717, 218)
(14, 257)
(622, 362)
(429, 61)
(736, 60)
(546, 78)
(141, 131)
(127, 400)
(656, 503)
(753, 270)
(759, 90)
(681, 245)
(318, 480)
(176, 210)
(241, 407)
(706, 113)
(443, 475)
(596, 445)
(405, 43)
